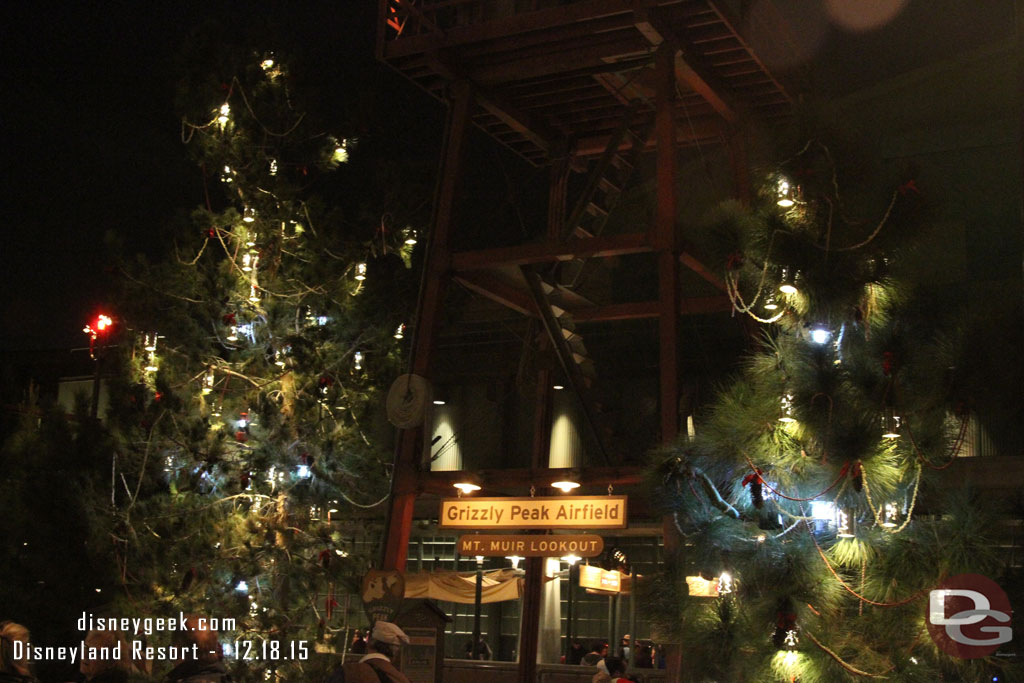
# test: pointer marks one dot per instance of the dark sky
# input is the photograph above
(91, 140)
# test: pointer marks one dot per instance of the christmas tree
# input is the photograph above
(247, 405)
(809, 529)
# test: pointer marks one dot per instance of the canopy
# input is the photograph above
(498, 585)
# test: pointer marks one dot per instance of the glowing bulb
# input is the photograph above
(761, 538)
(248, 214)
(787, 282)
(891, 425)
(438, 401)
(254, 296)
(514, 559)
(571, 559)
(791, 640)
(225, 111)
(724, 584)
(341, 152)
(303, 471)
(557, 387)
(361, 270)
(150, 343)
(466, 486)
(770, 304)
(785, 194)
(233, 336)
(400, 332)
(820, 334)
(357, 357)
(565, 486)
(410, 236)
(267, 64)
(246, 262)
(273, 167)
(890, 514)
(787, 409)
(242, 587)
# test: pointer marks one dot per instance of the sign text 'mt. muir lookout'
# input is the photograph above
(561, 512)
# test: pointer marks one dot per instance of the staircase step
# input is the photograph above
(596, 210)
(606, 184)
(581, 232)
(620, 162)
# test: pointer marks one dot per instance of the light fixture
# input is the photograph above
(248, 215)
(891, 423)
(250, 240)
(565, 485)
(150, 342)
(254, 297)
(341, 152)
(571, 559)
(770, 304)
(846, 524)
(357, 360)
(468, 482)
(514, 559)
(361, 271)
(272, 167)
(787, 281)
(787, 409)
(400, 331)
(784, 194)
(410, 236)
(242, 587)
(890, 515)
(479, 560)
(233, 334)
(557, 387)
(247, 262)
(302, 471)
(820, 334)
(225, 111)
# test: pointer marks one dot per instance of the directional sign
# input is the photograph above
(582, 545)
(555, 512)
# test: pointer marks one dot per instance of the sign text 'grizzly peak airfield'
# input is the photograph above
(555, 512)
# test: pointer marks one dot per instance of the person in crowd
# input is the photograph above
(358, 645)
(624, 649)
(13, 670)
(106, 669)
(576, 653)
(610, 670)
(208, 666)
(643, 656)
(376, 666)
(598, 651)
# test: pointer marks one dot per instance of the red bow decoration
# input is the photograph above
(752, 477)
(228, 319)
(908, 187)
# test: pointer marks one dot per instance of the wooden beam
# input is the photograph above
(688, 259)
(522, 123)
(442, 483)
(498, 291)
(687, 66)
(702, 129)
(501, 28)
(409, 446)
(546, 252)
(666, 242)
(591, 55)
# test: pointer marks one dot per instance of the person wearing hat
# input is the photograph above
(376, 666)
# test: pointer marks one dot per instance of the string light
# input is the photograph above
(787, 281)
(400, 331)
(208, 381)
(724, 584)
(787, 409)
(891, 513)
(357, 357)
(770, 304)
(273, 167)
(225, 112)
(820, 334)
(361, 271)
(791, 641)
(410, 236)
(248, 214)
(242, 587)
(846, 525)
(254, 296)
(267, 64)
(784, 192)
(341, 152)
(233, 334)
(890, 424)
(227, 175)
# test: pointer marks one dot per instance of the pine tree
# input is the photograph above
(806, 497)
(247, 407)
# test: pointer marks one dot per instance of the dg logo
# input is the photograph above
(969, 616)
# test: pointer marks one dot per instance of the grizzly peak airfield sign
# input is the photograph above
(555, 512)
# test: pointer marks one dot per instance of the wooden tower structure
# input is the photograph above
(590, 86)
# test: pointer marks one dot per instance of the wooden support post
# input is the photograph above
(666, 243)
(557, 196)
(405, 480)
(530, 620)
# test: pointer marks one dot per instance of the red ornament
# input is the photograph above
(241, 436)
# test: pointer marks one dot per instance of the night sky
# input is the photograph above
(91, 143)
